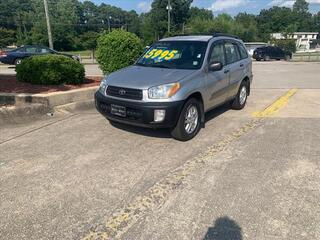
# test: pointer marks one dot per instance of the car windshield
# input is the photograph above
(174, 54)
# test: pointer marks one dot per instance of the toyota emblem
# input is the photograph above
(122, 92)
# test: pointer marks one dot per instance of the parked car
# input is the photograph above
(17, 55)
(251, 46)
(270, 52)
(175, 82)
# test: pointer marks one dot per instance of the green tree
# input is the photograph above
(159, 16)
(201, 13)
(7, 37)
(274, 20)
(303, 19)
(88, 40)
(316, 22)
(301, 6)
(246, 27)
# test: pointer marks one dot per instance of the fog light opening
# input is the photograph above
(159, 115)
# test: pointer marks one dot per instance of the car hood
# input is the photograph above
(145, 77)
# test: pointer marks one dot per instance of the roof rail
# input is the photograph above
(224, 35)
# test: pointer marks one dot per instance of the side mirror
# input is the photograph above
(215, 66)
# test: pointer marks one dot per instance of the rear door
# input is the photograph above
(275, 54)
(235, 65)
(281, 54)
(217, 82)
(30, 51)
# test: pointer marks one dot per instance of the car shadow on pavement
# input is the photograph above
(224, 229)
(165, 133)
(149, 132)
(217, 112)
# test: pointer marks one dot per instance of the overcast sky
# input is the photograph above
(217, 6)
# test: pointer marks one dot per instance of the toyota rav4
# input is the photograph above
(176, 81)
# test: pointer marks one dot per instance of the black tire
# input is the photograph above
(179, 132)
(266, 58)
(258, 59)
(17, 61)
(237, 103)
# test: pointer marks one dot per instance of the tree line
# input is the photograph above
(77, 24)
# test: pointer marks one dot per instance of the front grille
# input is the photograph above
(127, 93)
(131, 113)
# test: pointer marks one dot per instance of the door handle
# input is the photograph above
(226, 71)
(241, 65)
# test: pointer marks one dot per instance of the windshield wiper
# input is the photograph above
(160, 66)
(140, 64)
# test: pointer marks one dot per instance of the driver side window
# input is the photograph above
(217, 54)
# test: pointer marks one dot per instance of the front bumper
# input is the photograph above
(139, 113)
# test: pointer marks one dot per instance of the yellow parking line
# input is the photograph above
(276, 105)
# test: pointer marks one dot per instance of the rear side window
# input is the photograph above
(243, 51)
(31, 49)
(217, 54)
(232, 53)
(44, 50)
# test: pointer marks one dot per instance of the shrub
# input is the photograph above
(117, 50)
(50, 69)
(286, 44)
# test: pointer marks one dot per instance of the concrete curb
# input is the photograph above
(29, 106)
(15, 114)
(49, 100)
(75, 106)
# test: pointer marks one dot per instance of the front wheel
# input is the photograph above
(188, 124)
(17, 61)
(241, 99)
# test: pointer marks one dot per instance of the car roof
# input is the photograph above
(205, 38)
(201, 38)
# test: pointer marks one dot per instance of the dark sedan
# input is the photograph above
(17, 55)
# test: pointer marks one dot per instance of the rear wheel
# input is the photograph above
(17, 61)
(188, 124)
(287, 58)
(241, 99)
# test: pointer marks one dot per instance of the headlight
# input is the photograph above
(103, 86)
(163, 91)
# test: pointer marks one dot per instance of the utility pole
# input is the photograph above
(169, 8)
(48, 23)
(109, 25)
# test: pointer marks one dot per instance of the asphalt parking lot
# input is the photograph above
(251, 174)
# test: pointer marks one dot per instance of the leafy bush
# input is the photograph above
(50, 69)
(286, 44)
(117, 50)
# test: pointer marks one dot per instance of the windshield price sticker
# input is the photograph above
(160, 54)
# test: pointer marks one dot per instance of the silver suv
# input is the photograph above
(176, 81)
